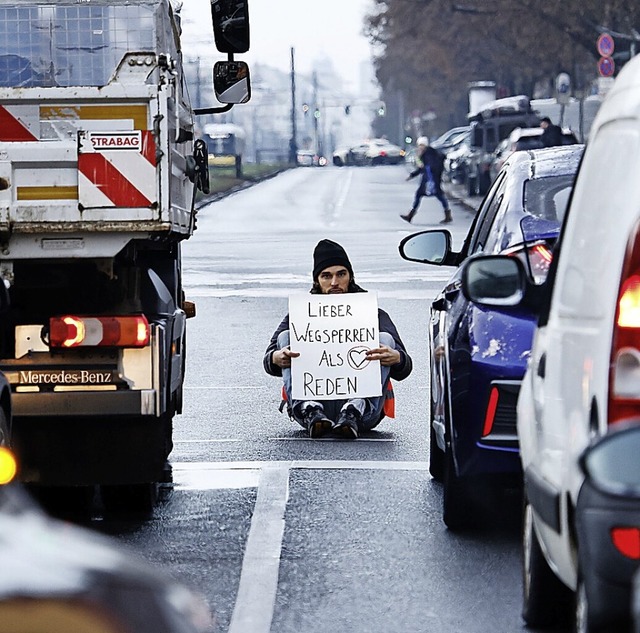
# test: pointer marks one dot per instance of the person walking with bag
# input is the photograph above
(430, 169)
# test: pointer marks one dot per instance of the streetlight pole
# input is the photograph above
(293, 143)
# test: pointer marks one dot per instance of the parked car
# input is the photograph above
(478, 356)
(374, 152)
(308, 158)
(59, 577)
(456, 161)
(582, 378)
(447, 141)
(523, 138)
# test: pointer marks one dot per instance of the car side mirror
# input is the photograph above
(611, 464)
(494, 280)
(427, 247)
(231, 82)
(230, 25)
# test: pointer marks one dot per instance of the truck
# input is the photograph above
(99, 170)
(490, 124)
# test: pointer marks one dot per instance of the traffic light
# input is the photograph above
(316, 113)
(305, 108)
(382, 109)
(347, 110)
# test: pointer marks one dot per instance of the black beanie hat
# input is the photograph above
(328, 253)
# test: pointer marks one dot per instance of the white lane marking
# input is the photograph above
(330, 439)
(205, 441)
(308, 464)
(342, 196)
(227, 479)
(255, 602)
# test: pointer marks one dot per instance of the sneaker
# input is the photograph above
(347, 424)
(317, 423)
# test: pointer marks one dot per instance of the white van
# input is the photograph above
(583, 378)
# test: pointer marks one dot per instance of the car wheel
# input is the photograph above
(545, 599)
(436, 456)
(471, 185)
(484, 182)
(457, 511)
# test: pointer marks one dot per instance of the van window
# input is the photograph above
(603, 209)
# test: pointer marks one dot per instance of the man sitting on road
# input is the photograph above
(333, 274)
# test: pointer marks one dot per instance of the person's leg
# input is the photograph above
(309, 414)
(445, 205)
(420, 191)
(363, 414)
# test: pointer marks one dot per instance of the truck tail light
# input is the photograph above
(110, 331)
(624, 373)
(627, 541)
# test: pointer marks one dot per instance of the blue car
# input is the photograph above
(479, 354)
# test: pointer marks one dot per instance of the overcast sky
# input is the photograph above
(315, 28)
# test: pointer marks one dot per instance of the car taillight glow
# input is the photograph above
(110, 331)
(627, 541)
(624, 374)
(537, 257)
(490, 414)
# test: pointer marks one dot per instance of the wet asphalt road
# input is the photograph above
(283, 534)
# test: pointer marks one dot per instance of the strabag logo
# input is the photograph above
(102, 141)
(66, 377)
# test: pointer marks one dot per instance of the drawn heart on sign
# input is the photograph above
(357, 357)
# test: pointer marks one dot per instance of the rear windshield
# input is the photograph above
(70, 45)
(547, 198)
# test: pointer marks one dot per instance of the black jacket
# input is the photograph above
(434, 159)
(385, 324)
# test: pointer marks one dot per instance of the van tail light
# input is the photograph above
(537, 257)
(105, 331)
(627, 541)
(624, 373)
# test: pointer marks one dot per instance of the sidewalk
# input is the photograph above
(461, 196)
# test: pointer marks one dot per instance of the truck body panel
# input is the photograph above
(96, 194)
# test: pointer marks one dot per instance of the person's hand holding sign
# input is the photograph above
(282, 357)
(386, 355)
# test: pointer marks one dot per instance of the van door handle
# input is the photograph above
(542, 366)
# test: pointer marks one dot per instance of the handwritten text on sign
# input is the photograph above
(333, 334)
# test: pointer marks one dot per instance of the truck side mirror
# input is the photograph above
(230, 25)
(231, 82)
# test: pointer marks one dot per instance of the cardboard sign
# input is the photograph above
(332, 334)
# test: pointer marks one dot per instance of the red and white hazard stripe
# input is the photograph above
(19, 123)
(119, 173)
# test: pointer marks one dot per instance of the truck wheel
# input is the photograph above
(457, 511)
(4, 429)
(131, 499)
(545, 599)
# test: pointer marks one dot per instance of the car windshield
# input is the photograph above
(547, 198)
